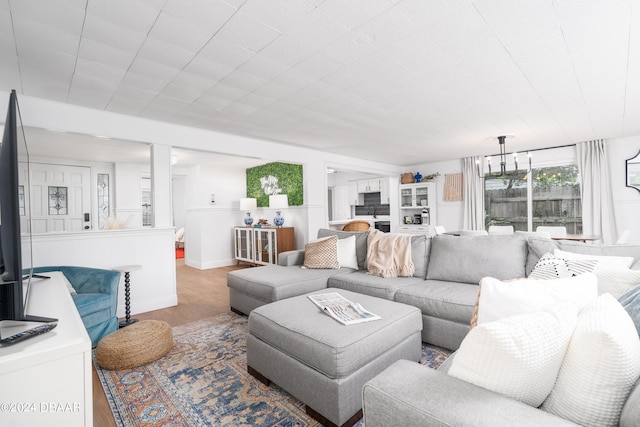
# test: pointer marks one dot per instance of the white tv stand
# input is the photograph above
(46, 380)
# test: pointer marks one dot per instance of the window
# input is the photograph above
(103, 199)
(554, 199)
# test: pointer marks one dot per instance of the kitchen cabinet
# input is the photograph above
(368, 185)
(262, 245)
(355, 197)
(417, 200)
(385, 198)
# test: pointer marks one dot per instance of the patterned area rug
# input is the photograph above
(203, 381)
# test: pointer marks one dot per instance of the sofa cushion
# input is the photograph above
(420, 245)
(499, 299)
(517, 356)
(616, 280)
(274, 282)
(601, 366)
(361, 243)
(322, 253)
(468, 259)
(441, 299)
(364, 283)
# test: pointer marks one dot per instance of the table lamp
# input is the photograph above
(278, 202)
(248, 204)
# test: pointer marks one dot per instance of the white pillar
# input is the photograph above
(161, 185)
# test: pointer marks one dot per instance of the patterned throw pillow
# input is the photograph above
(553, 267)
(322, 253)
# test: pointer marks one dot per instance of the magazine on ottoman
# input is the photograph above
(341, 309)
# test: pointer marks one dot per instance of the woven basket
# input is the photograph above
(135, 345)
(408, 178)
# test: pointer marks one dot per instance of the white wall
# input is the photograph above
(626, 200)
(153, 287)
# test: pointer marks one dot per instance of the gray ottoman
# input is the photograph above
(323, 363)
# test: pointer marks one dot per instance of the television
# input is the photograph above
(13, 297)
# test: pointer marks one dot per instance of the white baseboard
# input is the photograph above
(210, 264)
(149, 305)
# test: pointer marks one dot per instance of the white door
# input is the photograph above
(60, 197)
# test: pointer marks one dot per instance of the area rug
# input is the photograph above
(203, 381)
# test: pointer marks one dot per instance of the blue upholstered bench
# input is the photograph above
(96, 298)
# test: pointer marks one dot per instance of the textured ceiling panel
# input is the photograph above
(432, 80)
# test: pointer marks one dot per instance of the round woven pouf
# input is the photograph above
(136, 345)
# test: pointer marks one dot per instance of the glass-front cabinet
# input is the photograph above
(417, 208)
(262, 245)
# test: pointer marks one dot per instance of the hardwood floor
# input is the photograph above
(201, 294)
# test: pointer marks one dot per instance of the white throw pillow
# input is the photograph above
(347, 252)
(616, 280)
(603, 260)
(601, 365)
(519, 356)
(503, 299)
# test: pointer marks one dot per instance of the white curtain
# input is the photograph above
(597, 203)
(473, 218)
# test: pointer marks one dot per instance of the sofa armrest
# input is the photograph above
(288, 258)
(409, 394)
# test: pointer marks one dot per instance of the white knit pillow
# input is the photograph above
(616, 279)
(603, 260)
(601, 365)
(499, 299)
(518, 356)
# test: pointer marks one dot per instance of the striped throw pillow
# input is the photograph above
(550, 266)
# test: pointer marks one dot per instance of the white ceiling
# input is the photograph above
(399, 81)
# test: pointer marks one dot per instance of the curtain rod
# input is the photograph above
(534, 149)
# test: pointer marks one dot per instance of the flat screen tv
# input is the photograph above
(12, 294)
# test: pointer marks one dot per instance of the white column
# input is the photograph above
(161, 185)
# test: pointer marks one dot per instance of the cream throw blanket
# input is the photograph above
(389, 255)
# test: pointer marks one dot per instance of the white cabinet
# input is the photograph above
(46, 380)
(355, 197)
(262, 245)
(385, 198)
(417, 200)
(368, 185)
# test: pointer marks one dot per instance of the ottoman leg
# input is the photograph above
(325, 422)
(257, 375)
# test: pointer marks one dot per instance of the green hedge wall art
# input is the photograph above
(275, 178)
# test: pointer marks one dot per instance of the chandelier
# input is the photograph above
(503, 163)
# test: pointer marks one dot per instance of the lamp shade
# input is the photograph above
(278, 201)
(248, 204)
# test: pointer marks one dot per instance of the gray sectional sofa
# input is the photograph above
(444, 287)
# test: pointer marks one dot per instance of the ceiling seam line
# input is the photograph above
(137, 53)
(75, 64)
(626, 80)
